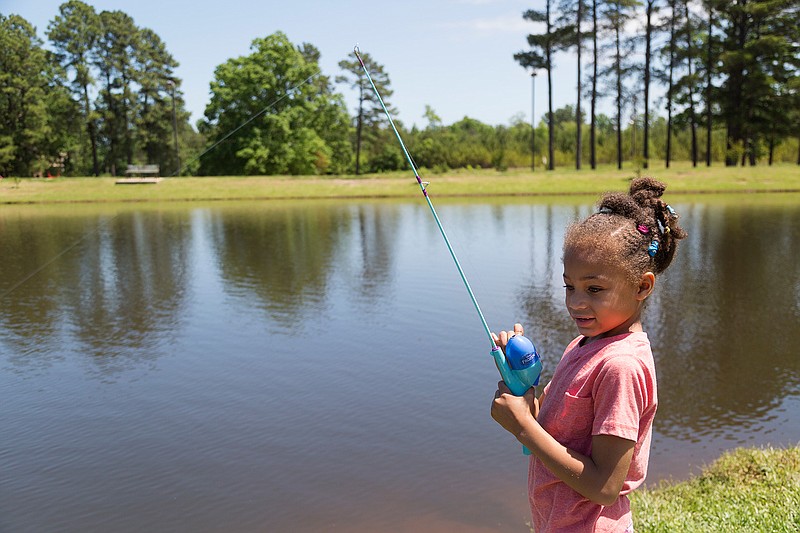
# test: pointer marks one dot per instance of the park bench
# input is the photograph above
(142, 170)
(141, 174)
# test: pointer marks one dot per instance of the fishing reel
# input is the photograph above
(520, 367)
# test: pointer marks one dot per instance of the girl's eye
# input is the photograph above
(595, 289)
(569, 287)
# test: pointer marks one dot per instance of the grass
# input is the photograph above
(747, 490)
(680, 178)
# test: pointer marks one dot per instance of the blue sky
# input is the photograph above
(454, 55)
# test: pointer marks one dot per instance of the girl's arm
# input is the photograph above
(598, 477)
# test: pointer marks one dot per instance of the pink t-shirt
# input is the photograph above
(607, 387)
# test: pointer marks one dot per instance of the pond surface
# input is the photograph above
(318, 366)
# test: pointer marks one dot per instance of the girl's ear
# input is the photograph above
(646, 285)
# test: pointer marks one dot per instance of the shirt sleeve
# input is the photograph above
(622, 393)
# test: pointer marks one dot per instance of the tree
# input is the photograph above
(593, 98)
(74, 33)
(113, 57)
(370, 113)
(709, 68)
(271, 112)
(572, 15)
(618, 13)
(543, 47)
(759, 58)
(154, 74)
(670, 51)
(651, 7)
(32, 101)
(690, 80)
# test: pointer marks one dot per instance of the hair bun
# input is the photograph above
(644, 189)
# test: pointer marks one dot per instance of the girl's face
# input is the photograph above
(600, 296)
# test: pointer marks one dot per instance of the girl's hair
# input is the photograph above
(637, 229)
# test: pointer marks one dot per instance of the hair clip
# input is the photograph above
(605, 210)
(653, 248)
(644, 230)
(671, 211)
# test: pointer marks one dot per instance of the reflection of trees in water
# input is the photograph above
(117, 290)
(724, 324)
(377, 225)
(285, 255)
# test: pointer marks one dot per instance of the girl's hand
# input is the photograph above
(502, 339)
(514, 413)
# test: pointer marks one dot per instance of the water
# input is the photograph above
(311, 366)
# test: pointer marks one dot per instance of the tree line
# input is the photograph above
(104, 95)
(729, 65)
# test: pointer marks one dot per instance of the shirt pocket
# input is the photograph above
(575, 419)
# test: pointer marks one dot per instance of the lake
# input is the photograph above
(318, 365)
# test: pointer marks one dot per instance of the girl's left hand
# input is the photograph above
(502, 339)
(514, 412)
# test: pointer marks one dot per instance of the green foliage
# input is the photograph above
(107, 96)
(31, 102)
(286, 125)
(370, 115)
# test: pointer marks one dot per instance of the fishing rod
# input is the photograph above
(521, 365)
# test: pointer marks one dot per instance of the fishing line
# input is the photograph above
(248, 121)
(57, 256)
(227, 135)
(423, 185)
(520, 366)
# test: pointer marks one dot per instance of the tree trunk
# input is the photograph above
(359, 122)
(593, 128)
(578, 133)
(550, 125)
(690, 55)
(647, 53)
(771, 149)
(669, 83)
(92, 130)
(709, 68)
(618, 67)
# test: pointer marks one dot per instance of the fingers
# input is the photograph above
(502, 388)
(501, 339)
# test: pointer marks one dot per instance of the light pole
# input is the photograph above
(533, 121)
(175, 127)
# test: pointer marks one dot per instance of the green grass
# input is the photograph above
(745, 490)
(680, 178)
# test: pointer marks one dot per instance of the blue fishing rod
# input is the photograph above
(521, 365)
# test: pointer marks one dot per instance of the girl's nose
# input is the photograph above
(576, 302)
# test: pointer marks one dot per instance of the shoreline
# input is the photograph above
(681, 179)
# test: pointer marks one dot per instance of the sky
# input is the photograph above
(455, 56)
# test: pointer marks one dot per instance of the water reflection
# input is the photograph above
(727, 320)
(181, 329)
(285, 256)
(109, 282)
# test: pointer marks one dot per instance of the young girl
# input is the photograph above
(589, 431)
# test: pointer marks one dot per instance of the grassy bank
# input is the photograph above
(680, 178)
(752, 490)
